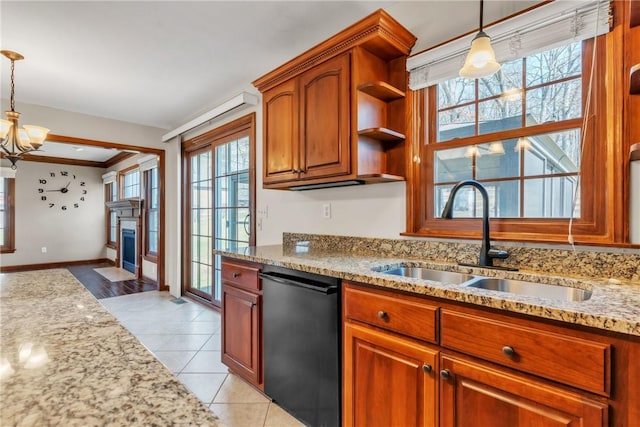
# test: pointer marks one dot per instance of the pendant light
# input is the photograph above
(16, 140)
(481, 60)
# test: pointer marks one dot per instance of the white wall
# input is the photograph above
(69, 235)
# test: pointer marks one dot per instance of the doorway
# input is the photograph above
(219, 202)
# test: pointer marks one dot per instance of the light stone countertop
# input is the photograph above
(613, 306)
(66, 361)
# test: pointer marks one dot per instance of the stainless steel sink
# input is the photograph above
(564, 293)
(427, 274)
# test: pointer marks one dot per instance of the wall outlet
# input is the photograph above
(326, 210)
(44, 249)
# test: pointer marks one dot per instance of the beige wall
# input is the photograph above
(71, 235)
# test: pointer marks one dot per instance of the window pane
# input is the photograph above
(455, 91)
(452, 165)
(243, 154)
(504, 200)
(564, 61)
(556, 102)
(498, 160)
(552, 153)
(221, 159)
(456, 123)
(550, 197)
(500, 114)
(505, 81)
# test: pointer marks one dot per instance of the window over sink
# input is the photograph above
(523, 134)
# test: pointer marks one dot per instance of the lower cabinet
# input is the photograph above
(474, 368)
(388, 380)
(242, 321)
(479, 395)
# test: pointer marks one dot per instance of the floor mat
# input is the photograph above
(115, 274)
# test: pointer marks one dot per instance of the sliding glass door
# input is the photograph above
(219, 205)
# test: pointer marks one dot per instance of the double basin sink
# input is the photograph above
(519, 287)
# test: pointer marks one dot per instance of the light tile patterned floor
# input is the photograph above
(186, 339)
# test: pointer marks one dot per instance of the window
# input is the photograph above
(152, 212)
(7, 209)
(519, 133)
(130, 183)
(533, 175)
(111, 195)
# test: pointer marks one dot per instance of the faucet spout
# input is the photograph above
(487, 254)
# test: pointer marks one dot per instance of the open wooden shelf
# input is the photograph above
(382, 134)
(381, 90)
(634, 75)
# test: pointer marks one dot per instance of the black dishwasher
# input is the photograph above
(302, 348)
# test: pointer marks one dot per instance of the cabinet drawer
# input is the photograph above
(242, 275)
(406, 316)
(570, 360)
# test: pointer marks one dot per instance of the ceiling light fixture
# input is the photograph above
(481, 59)
(17, 141)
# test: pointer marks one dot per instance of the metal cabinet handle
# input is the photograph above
(445, 374)
(236, 275)
(427, 368)
(382, 314)
(508, 351)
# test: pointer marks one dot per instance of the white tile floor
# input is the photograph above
(186, 339)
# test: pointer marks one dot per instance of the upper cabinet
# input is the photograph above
(337, 114)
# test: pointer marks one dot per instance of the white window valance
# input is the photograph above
(540, 29)
(110, 177)
(148, 162)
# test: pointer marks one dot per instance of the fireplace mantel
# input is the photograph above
(127, 207)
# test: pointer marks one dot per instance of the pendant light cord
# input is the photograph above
(481, 12)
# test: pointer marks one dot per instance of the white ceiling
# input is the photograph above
(162, 63)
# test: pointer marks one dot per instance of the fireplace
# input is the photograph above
(129, 250)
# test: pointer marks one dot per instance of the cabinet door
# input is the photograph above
(388, 380)
(325, 119)
(478, 395)
(280, 150)
(241, 332)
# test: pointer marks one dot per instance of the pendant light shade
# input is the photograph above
(481, 59)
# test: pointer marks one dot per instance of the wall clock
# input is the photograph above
(62, 190)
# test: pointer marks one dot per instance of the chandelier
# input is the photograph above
(17, 141)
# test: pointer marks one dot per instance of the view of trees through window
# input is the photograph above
(524, 125)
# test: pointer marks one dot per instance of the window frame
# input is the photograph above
(108, 197)
(121, 178)
(8, 243)
(147, 179)
(597, 205)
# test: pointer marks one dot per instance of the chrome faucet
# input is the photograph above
(487, 254)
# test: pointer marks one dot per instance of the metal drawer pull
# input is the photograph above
(427, 368)
(236, 275)
(382, 314)
(445, 374)
(508, 351)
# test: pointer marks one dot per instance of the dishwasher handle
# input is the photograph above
(293, 281)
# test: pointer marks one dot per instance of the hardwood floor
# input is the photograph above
(100, 287)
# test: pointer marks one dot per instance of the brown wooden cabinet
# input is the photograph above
(242, 320)
(337, 113)
(307, 125)
(388, 380)
(493, 368)
(474, 394)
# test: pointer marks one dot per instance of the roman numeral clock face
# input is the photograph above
(62, 190)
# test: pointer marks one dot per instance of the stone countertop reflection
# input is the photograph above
(614, 305)
(66, 361)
